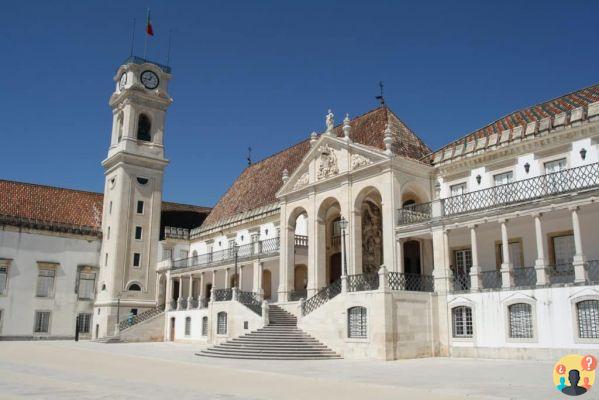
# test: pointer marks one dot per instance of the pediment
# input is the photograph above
(329, 158)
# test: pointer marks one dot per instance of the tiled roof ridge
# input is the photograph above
(526, 109)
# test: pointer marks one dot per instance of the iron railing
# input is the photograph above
(181, 303)
(136, 319)
(172, 305)
(203, 303)
(411, 282)
(363, 282)
(459, 282)
(261, 248)
(561, 273)
(565, 181)
(414, 213)
(301, 241)
(490, 279)
(296, 295)
(223, 294)
(524, 276)
(322, 296)
(592, 268)
(250, 300)
(176, 233)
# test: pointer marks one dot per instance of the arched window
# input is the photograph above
(187, 326)
(221, 323)
(520, 317)
(134, 287)
(144, 126)
(204, 326)
(357, 322)
(588, 319)
(462, 322)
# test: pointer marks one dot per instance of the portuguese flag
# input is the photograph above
(149, 29)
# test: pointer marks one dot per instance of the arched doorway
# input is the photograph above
(267, 284)
(334, 267)
(208, 290)
(370, 207)
(411, 251)
(329, 242)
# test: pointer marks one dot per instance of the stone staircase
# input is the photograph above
(280, 340)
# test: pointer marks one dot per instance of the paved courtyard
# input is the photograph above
(87, 370)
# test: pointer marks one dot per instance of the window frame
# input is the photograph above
(575, 321)
(205, 326)
(142, 204)
(51, 291)
(138, 229)
(220, 324)
(499, 252)
(4, 276)
(80, 279)
(360, 332)
(85, 316)
(464, 337)
(187, 326)
(35, 322)
(533, 318)
(136, 257)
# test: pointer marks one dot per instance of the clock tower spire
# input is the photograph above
(133, 173)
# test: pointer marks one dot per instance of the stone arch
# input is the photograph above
(368, 230)
(134, 286)
(328, 241)
(413, 193)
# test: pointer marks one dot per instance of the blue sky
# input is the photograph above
(263, 74)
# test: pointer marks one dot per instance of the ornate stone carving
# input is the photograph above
(372, 237)
(358, 160)
(302, 181)
(330, 122)
(327, 164)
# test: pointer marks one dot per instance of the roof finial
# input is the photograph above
(346, 128)
(249, 156)
(380, 97)
(285, 175)
(388, 140)
(330, 121)
(313, 138)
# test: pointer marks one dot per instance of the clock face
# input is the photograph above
(149, 79)
(123, 81)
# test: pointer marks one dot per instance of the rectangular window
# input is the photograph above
(504, 178)
(462, 322)
(516, 255)
(106, 259)
(204, 326)
(84, 321)
(187, 326)
(42, 322)
(45, 282)
(136, 259)
(3, 279)
(138, 231)
(588, 319)
(458, 190)
(556, 182)
(520, 321)
(555, 166)
(87, 283)
(563, 249)
(140, 207)
(357, 322)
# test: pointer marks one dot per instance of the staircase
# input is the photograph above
(280, 340)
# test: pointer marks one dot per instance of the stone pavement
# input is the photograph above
(87, 370)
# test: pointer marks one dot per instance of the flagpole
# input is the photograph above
(146, 36)
(132, 39)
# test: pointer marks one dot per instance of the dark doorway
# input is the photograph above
(208, 290)
(172, 330)
(411, 257)
(335, 267)
(176, 290)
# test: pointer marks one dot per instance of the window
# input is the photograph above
(555, 180)
(42, 322)
(563, 249)
(136, 259)
(167, 254)
(134, 287)
(357, 322)
(108, 233)
(462, 322)
(503, 179)
(221, 326)
(140, 207)
(45, 282)
(143, 128)
(520, 318)
(87, 283)
(3, 279)
(458, 190)
(84, 321)
(142, 181)
(138, 231)
(588, 319)
(106, 259)
(187, 326)
(516, 255)
(204, 326)
(503, 194)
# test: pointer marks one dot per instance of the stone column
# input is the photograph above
(579, 258)
(227, 280)
(168, 298)
(506, 265)
(399, 265)
(355, 263)
(212, 296)
(257, 288)
(441, 271)
(541, 261)
(180, 299)
(202, 293)
(190, 297)
(475, 283)
(240, 278)
(287, 261)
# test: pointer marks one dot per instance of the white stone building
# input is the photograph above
(360, 237)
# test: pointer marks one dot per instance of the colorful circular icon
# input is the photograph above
(574, 374)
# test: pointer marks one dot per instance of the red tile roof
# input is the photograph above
(258, 184)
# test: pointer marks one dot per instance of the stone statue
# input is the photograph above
(330, 122)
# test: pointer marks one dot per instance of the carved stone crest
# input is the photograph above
(358, 160)
(302, 181)
(327, 165)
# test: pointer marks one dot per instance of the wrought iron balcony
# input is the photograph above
(411, 282)
(567, 181)
(257, 249)
(363, 282)
(223, 294)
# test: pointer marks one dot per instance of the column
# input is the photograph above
(399, 265)
(441, 271)
(213, 285)
(180, 299)
(579, 258)
(286, 261)
(475, 270)
(355, 259)
(257, 286)
(541, 261)
(168, 298)
(506, 265)
(201, 295)
(190, 297)
(227, 280)
(240, 278)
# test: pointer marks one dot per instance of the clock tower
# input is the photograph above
(133, 173)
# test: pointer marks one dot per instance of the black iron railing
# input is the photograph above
(250, 300)
(490, 279)
(560, 273)
(363, 282)
(172, 305)
(524, 276)
(414, 213)
(565, 181)
(223, 294)
(144, 316)
(322, 296)
(256, 249)
(459, 281)
(296, 295)
(411, 282)
(203, 303)
(592, 268)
